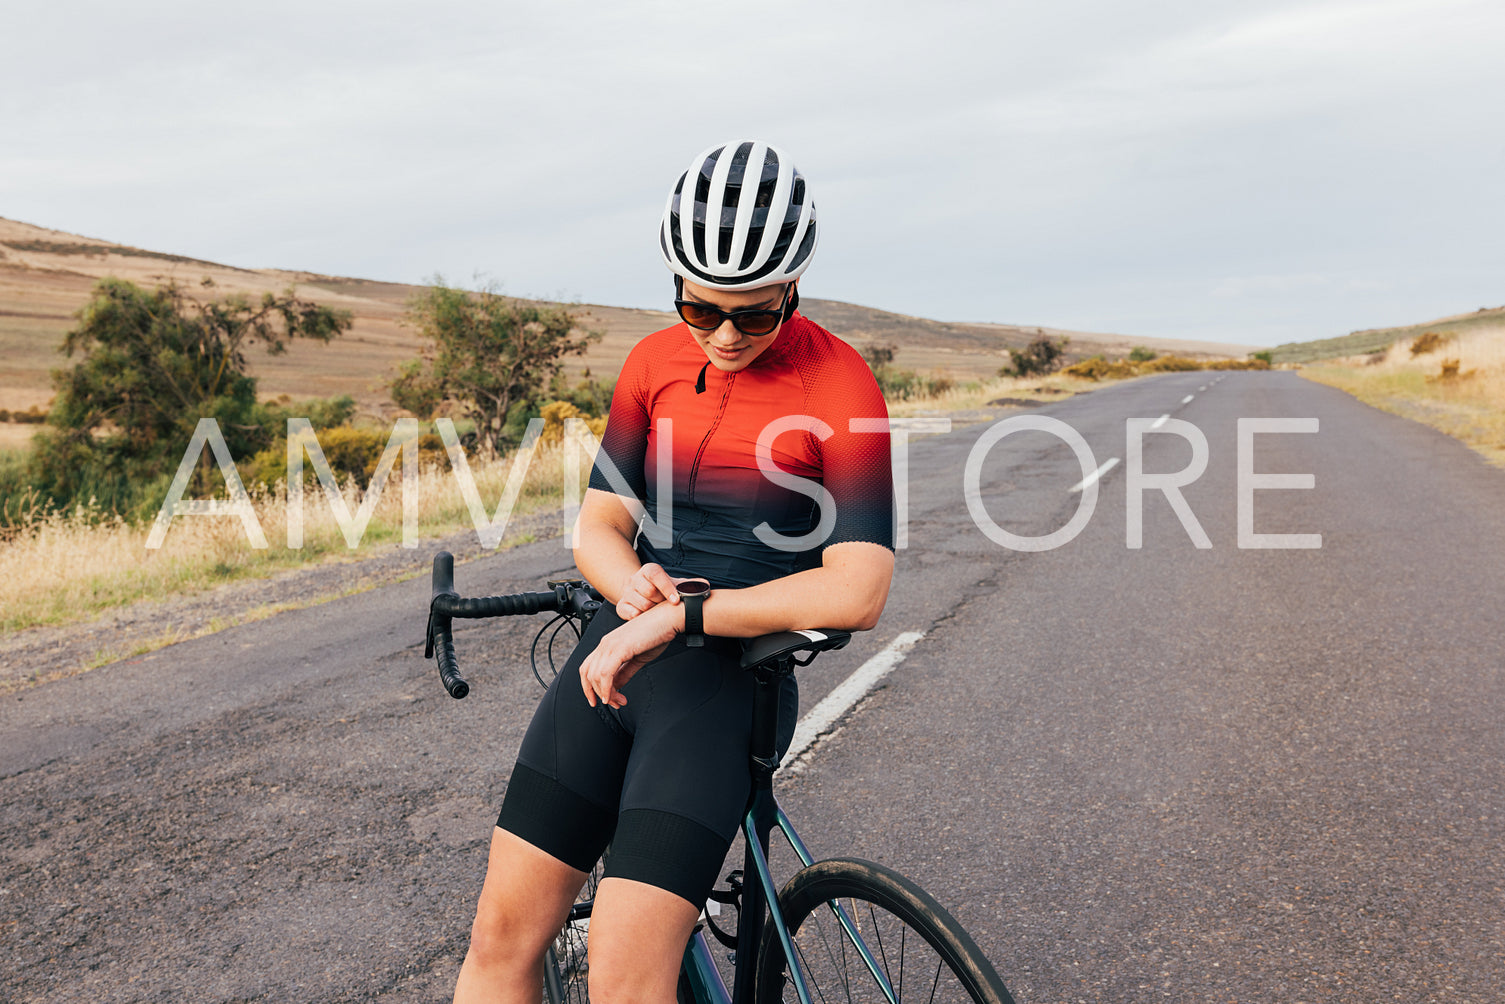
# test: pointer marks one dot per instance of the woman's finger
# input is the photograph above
(585, 685)
(664, 582)
(599, 683)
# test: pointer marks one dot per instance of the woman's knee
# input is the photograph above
(503, 934)
(637, 939)
(524, 902)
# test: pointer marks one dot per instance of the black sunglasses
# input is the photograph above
(749, 322)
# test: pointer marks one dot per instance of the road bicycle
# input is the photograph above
(841, 928)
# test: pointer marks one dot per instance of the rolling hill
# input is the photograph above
(1376, 340)
(46, 276)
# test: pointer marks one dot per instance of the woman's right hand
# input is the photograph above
(645, 589)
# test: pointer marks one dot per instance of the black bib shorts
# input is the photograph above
(660, 785)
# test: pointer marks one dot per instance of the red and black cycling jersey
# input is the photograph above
(810, 382)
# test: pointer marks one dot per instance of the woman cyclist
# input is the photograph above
(752, 444)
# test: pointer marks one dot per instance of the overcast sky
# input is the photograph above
(1245, 171)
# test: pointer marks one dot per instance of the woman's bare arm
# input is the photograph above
(847, 591)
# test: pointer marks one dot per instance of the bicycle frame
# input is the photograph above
(764, 815)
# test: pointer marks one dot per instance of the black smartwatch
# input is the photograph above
(692, 594)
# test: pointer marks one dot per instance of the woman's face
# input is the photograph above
(728, 349)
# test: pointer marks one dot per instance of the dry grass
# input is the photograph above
(976, 395)
(1456, 385)
(70, 566)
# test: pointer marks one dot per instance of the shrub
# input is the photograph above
(1098, 368)
(901, 385)
(905, 385)
(1041, 356)
(1170, 364)
(591, 396)
(1265, 356)
(1140, 354)
(15, 493)
(556, 413)
(878, 354)
(1450, 374)
(1430, 341)
(351, 452)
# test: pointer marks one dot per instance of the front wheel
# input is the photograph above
(915, 950)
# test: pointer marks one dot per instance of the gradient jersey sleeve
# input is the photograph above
(752, 477)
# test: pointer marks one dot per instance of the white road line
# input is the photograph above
(1187, 399)
(1089, 479)
(1202, 388)
(1160, 421)
(847, 693)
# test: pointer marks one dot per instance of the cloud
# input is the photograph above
(1078, 164)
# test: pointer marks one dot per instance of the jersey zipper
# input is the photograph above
(705, 441)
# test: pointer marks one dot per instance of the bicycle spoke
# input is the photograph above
(805, 966)
(903, 933)
(882, 953)
(879, 920)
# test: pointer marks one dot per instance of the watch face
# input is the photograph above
(693, 587)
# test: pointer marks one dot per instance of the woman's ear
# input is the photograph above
(794, 300)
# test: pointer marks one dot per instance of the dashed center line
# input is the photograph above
(1160, 421)
(1092, 478)
(1187, 399)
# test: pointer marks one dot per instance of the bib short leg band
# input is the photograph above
(659, 785)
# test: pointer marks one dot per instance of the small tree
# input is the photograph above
(1040, 356)
(878, 354)
(490, 352)
(153, 364)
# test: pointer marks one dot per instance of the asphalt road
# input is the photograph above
(1164, 773)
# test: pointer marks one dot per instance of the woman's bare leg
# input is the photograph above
(637, 939)
(525, 900)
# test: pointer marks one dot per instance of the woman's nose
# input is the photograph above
(727, 334)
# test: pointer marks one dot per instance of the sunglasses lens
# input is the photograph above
(699, 316)
(760, 323)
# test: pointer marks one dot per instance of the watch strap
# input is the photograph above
(694, 621)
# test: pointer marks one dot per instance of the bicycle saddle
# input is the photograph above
(771, 648)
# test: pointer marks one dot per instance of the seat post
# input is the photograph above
(765, 724)
(762, 811)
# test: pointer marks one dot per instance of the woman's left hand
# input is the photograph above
(627, 649)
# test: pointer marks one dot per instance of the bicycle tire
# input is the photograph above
(567, 957)
(899, 922)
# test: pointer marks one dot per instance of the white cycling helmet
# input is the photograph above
(712, 235)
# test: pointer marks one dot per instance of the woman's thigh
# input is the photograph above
(564, 792)
(637, 939)
(526, 897)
